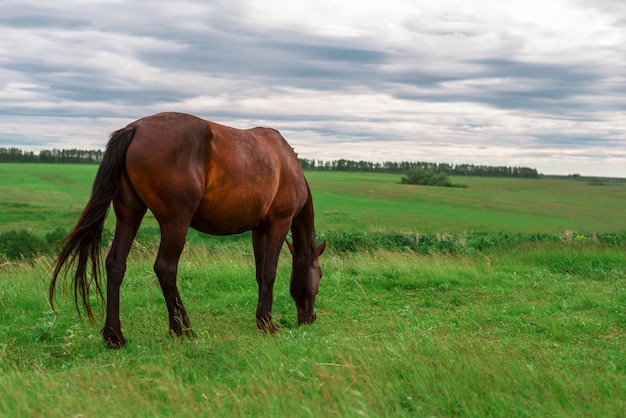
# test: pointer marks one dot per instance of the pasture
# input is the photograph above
(362, 201)
(42, 197)
(531, 329)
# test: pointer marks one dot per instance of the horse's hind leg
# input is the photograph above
(166, 266)
(129, 212)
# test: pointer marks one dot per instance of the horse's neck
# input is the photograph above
(303, 231)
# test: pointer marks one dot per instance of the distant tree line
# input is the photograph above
(77, 156)
(67, 156)
(405, 166)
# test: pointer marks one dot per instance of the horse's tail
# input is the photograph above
(84, 241)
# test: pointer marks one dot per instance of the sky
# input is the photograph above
(530, 83)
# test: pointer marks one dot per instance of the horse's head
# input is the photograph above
(305, 281)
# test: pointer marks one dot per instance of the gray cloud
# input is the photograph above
(416, 81)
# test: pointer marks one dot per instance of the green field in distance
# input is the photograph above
(43, 197)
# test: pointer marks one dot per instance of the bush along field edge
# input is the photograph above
(24, 245)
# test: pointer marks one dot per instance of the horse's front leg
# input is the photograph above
(267, 241)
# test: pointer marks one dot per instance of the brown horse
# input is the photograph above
(216, 179)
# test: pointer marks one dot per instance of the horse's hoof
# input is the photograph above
(189, 333)
(184, 332)
(267, 326)
(115, 342)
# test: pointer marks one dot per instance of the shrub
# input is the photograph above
(427, 177)
(430, 243)
(17, 244)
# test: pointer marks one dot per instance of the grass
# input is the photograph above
(398, 334)
(500, 326)
(43, 197)
(360, 201)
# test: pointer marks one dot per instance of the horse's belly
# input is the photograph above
(233, 219)
(220, 227)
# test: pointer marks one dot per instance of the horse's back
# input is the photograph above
(227, 180)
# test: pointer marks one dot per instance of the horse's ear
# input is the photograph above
(320, 248)
(290, 246)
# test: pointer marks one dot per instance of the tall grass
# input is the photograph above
(504, 333)
(23, 244)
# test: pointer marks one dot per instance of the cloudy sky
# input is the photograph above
(516, 82)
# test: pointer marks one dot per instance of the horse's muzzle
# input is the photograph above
(306, 311)
(307, 319)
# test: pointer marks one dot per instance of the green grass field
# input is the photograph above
(528, 329)
(42, 197)
(362, 201)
